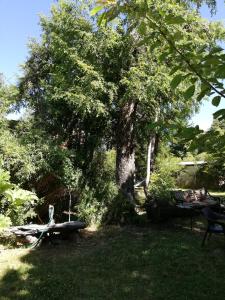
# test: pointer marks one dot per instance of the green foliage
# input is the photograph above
(18, 159)
(71, 176)
(100, 189)
(216, 100)
(79, 76)
(64, 85)
(17, 205)
(121, 211)
(163, 179)
(89, 208)
(210, 147)
(110, 70)
(176, 81)
(4, 181)
(212, 143)
(193, 176)
(219, 114)
(4, 222)
(8, 93)
(171, 25)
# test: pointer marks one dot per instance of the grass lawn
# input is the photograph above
(165, 262)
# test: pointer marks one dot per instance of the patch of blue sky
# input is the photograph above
(204, 117)
(19, 21)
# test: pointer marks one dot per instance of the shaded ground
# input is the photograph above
(129, 263)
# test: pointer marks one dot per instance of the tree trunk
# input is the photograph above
(149, 160)
(151, 155)
(155, 149)
(125, 159)
(153, 146)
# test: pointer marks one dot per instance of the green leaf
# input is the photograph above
(216, 100)
(156, 44)
(216, 49)
(174, 20)
(220, 73)
(219, 114)
(189, 92)
(111, 14)
(163, 56)
(102, 20)
(144, 41)
(218, 84)
(174, 70)
(95, 10)
(193, 80)
(142, 28)
(211, 60)
(189, 133)
(205, 89)
(176, 81)
(178, 36)
(4, 222)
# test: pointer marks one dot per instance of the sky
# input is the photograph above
(19, 22)
(205, 116)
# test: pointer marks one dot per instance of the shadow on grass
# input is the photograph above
(128, 263)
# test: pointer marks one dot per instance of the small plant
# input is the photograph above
(17, 205)
(4, 222)
(163, 180)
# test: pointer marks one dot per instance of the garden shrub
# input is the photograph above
(120, 211)
(100, 189)
(17, 205)
(163, 179)
(4, 222)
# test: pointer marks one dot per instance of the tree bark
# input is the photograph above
(150, 162)
(153, 146)
(125, 158)
(149, 159)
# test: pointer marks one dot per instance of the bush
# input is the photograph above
(159, 204)
(4, 222)
(120, 211)
(17, 205)
(100, 189)
(163, 179)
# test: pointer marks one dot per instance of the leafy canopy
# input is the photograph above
(189, 38)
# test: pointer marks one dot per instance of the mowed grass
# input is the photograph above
(129, 263)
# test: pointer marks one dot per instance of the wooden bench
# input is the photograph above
(34, 233)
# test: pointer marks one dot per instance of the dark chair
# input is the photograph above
(216, 223)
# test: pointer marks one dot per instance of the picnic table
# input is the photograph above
(196, 206)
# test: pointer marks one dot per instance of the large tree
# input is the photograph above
(179, 38)
(95, 88)
(188, 38)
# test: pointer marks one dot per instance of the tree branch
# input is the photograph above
(186, 60)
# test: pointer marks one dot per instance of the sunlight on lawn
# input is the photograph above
(118, 264)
